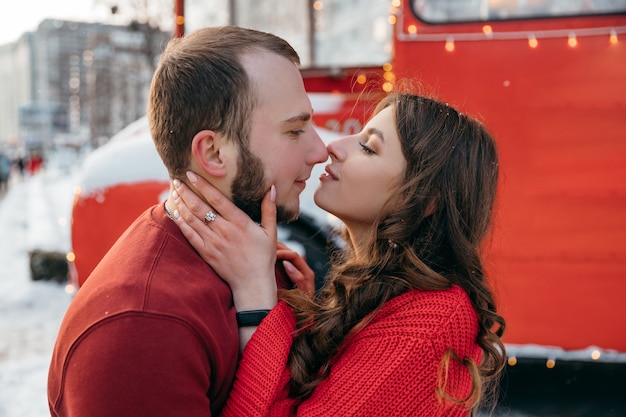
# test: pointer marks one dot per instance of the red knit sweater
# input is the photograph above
(388, 369)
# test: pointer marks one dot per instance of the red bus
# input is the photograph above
(549, 80)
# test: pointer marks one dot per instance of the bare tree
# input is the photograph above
(148, 17)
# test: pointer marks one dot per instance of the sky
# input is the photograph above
(23, 16)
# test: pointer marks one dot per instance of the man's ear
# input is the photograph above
(206, 148)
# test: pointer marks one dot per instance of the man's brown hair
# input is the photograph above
(201, 84)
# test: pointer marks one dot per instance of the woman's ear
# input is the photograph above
(206, 149)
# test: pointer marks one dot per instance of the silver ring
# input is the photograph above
(209, 217)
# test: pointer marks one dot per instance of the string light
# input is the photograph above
(595, 355)
(512, 361)
(389, 76)
(571, 40)
(450, 44)
(550, 363)
(411, 33)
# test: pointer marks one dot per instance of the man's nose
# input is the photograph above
(318, 153)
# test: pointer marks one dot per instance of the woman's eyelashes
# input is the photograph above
(366, 148)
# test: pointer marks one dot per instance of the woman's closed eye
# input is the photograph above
(366, 149)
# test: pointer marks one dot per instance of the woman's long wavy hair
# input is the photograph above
(430, 241)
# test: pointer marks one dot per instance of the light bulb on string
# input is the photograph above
(532, 41)
(571, 40)
(450, 44)
(613, 37)
(595, 355)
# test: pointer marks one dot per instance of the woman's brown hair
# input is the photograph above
(431, 240)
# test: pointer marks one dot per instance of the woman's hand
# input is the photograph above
(242, 252)
(299, 272)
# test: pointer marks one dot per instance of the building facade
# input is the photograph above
(75, 83)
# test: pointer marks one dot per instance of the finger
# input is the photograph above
(303, 281)
(294, 273)
(295, 258)
(189, 206)
(193, 204)
(287, 254)
(268, 212)
(212, 195)
(194, 230)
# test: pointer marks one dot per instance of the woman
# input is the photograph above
(406, 324)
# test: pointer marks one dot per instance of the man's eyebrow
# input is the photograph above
(373, 131)
(302, 117)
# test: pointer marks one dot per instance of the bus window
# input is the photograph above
(351, 32)
(325, 33)
(447, 11)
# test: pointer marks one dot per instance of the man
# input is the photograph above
(153, 329)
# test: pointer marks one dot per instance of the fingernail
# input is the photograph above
(192, 177)
(175, 195)
(176, 214)
(273, 193)
(176, 183)
(289, 266)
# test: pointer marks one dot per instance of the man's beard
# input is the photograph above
(248, 189)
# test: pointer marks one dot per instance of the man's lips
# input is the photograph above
(301, 183)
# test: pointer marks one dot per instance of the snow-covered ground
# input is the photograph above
(34, 214)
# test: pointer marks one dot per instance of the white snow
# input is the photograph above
(34, 214)
(130, 156)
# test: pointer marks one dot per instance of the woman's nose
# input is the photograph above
(337, 148)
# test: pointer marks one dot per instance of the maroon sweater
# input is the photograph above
(152, 332)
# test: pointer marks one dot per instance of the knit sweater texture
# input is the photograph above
(388, 369)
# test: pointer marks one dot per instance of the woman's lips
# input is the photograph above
(329, 175)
